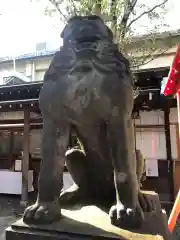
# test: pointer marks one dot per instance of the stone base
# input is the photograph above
(91, 222)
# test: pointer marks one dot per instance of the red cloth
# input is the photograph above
(173, 82)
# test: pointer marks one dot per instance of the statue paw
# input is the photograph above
(147, 204)
(126, 218)
(70, 196)
(42, 213)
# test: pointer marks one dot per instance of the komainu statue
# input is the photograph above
(88, 93)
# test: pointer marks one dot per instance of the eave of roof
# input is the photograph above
(28, 56)
(161, 35)
(48, 53)
(7, 88)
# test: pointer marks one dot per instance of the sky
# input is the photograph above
(23, 24)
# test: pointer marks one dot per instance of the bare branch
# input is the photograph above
(98, 8)
(56, 5)
(146, 12)
(133, 4)
(149, 58)
(74, 7)
(113, 13)
(127, 11)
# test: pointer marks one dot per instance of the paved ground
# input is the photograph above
(10, 211)
(176, 233)
(4, 223)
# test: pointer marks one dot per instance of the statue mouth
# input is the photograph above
(88, 39)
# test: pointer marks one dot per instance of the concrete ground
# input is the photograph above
(10, 211)
(7, 214)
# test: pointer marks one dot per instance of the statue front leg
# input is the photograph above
(54, 143)
(76, 163)
(127, 212)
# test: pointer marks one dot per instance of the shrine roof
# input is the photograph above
(17, 97)
(158, 35)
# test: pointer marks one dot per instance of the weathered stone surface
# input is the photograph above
(88, 93)
(91, 222)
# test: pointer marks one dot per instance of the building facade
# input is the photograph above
(34, 65)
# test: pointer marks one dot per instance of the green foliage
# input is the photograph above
(121, 16)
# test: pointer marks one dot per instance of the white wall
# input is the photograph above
(151, 141)
(34, 69)
(173, 117)
(173, 130)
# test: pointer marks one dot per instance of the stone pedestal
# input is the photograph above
(91, 222)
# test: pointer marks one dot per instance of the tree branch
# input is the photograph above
(129, 6)
(147, 59)
(98, 7)
(74, 6)
(133, 4)
(113, 13)
(56, 5)
(146, 12)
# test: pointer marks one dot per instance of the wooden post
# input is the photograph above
(178, 109)
(169, 152)
(176, 208)
(174, 214)
(11, 146)
(25, 160)
(177, 163)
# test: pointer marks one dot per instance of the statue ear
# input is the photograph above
(62, 34)
(71, 19)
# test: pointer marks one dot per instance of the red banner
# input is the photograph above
(172, 85)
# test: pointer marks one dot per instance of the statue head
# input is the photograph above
(86, 28)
